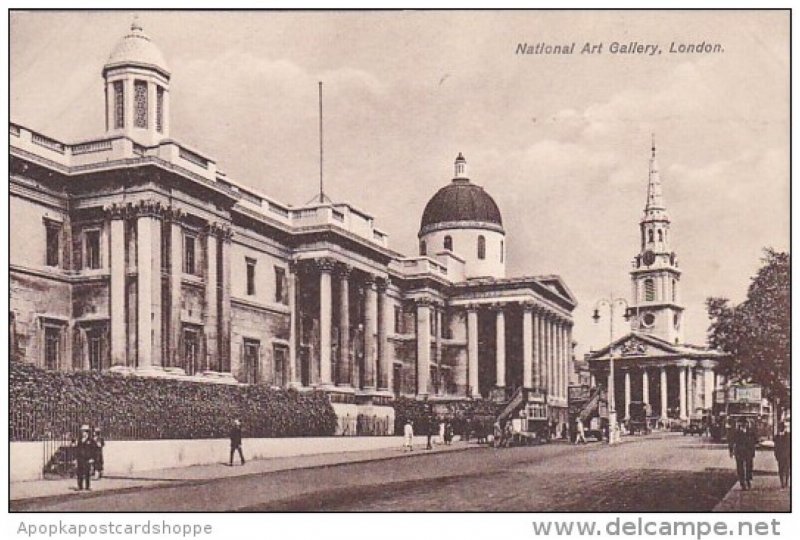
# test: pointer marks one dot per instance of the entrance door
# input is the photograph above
(191, 351)
(94, 338)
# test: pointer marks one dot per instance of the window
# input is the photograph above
(159, 109)
(649, 290)
(94, 338)
(251, 276)
(660, 235)
(119, 105)
(92, 249)
(251, 360)
(52, 347)
(398, 320)
(674, 290)
(481, 247)
(140, 104)
(53, 241)
(189, 262)
(448, 243)
(280, 355)
(502, 250)
(280, 285)
(650, 236)
(423, 250)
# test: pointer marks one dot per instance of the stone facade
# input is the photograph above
(140, 256)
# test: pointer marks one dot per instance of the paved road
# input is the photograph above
(668, 472)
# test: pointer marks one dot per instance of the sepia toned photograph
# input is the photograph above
(400, 261)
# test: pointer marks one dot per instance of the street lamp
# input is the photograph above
(611, 303)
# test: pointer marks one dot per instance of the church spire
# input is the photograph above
(655, 199)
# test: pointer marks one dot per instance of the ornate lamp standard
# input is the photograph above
(611, 303)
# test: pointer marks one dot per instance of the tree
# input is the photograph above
(756, 333)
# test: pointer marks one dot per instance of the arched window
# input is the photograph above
(650, 235)
(660, 235)
(649, 290)
(502, 250)
(448, 243)
(423, 249)
(674, 290)
(481, 247)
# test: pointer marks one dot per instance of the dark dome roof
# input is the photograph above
(461, 200)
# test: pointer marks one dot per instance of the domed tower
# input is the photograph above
(655, 277)
(464, 219)
(137, 89)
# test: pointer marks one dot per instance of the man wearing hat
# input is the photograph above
(84, 455)
(236, 440)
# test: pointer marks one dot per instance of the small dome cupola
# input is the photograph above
(461, 168)
(137, 89)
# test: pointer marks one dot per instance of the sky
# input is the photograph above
(561, 142)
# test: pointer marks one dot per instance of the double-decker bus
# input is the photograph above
(742, 401)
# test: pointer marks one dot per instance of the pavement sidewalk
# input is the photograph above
(766, 495)
(39, 489)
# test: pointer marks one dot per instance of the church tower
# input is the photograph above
(137, 89)
(655, 278)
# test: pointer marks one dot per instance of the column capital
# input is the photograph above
(369, 281)
(325, 264)
(528, 306)
(174, 214)
(214, 228)
(383, 283)
(471, 307)
(424, 302)
(149, 208)
(116, 211)
(342, 270)
(497, 307)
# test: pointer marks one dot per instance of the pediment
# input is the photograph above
(637, 345)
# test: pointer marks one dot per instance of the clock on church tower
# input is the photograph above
(655, 278)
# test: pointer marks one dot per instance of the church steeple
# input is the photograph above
(655, 276)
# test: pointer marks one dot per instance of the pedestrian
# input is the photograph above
(564, 431)
(783, 454)
(431, 429)
(408, 436)
(743, 449)
(448, 433)
(441, 431)
(497, 435)
(99, 444)
(508, 434)
(467, 425)
(236, 441)
(84, 454)
(580, 438)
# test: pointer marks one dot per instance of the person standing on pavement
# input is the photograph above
(408, 436)
(431, 421)
(84, 454)
(743, 448)
(236, 441)
(99, 444)
(783, 454)
(580, 438)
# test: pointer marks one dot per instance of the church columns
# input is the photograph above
(627, 393)
(472, 350)
(211, 322)
(683, 375)
(437, 349)
(663, 392)
(500, 352)
(148, 267)
(175, 292)
(527, 346)
(294, 373)
(645, 386)
(343, 368)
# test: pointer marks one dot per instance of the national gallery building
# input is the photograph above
(134, 253)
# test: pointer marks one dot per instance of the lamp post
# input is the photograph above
(611, 303)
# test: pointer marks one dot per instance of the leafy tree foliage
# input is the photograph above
(756, 333)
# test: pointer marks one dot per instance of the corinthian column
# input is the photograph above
(500, 352)
(325, 267)
(343, 362)
(423, 346)
(117, 287)
(472, 349)
(527, 346)
(370, 334)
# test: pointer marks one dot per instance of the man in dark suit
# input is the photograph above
(743, 448)
(236, 440)
(84, 453)
(783, 454)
